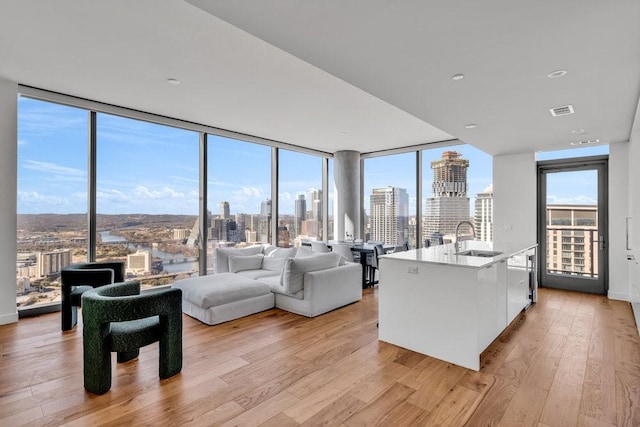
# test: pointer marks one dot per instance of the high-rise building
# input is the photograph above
(483, 217)
(572, 237)
(449, 203)
(300, 213)
(389, 215)
(139, 262)
(316, 205)
(224, 210)
(264, 231)
(181, 233)
(52, 262)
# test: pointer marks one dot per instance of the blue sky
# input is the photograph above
(149, 168)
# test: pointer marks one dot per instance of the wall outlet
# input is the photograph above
(412, 270)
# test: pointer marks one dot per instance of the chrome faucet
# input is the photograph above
(457, 244)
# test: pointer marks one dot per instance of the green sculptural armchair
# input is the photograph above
(79, 278)
(117, 318)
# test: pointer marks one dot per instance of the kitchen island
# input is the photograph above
(452, 303)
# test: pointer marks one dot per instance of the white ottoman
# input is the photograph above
(221, 297)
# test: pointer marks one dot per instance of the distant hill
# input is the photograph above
(75, 222)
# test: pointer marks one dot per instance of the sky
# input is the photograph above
(153, 169)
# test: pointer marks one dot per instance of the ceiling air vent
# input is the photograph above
(561, 111)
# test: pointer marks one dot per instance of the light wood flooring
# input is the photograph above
(571, 360)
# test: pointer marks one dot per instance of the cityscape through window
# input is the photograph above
(52, 202)
(300, 208)
(239, 194)
(456, 187)
(147, 199)
(390, 199)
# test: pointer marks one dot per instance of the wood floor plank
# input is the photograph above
(627, 389)
(275, 368)
(380, 407)
(340, 409)
(525, 407)
(494, 404)
(264, 411)
(599, 391)
(441, 379)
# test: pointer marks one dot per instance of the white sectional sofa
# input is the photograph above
(259, 277)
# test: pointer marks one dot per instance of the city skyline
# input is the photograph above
(152, 169)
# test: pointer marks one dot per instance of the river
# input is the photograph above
(106, 237)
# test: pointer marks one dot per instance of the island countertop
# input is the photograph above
(447, 255)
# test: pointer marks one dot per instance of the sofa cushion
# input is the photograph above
(304, 252)
(292, 278)
(222, 256)
(245, 262)
(259, 274)
(273, 264)
(219, 289)
(277, 252)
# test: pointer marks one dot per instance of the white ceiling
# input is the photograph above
(333, 74)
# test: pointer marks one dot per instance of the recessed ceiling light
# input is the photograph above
(557, 74)
(173, 81)
(579, 131)
(457, 76)
(470, 126)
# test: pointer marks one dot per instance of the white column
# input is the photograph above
(346, 199)
(8, 194)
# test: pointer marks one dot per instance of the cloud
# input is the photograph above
(252, 191)
(52, 168)
(33, 197)
(142, 192)
(553, 199)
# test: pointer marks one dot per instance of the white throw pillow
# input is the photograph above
(273, 263)
(245, 262)
(304, 252)
(292, 277)
(276, 252)
(222, 256)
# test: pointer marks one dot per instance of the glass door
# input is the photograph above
(572, 219)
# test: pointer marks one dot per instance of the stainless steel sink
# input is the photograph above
(479, 252)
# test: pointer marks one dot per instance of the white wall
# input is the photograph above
(618, 212)
(514, 201)
(634, 204)
(8, 207)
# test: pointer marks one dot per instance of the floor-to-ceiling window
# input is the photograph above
(330, 213)
(52, 197)
(390, 199)
(147, 198)
(238, 194)
(456, 187)
(300, 207)
(147, 193)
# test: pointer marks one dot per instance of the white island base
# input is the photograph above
(451, 310)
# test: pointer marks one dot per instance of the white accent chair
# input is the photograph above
(318, 246)
(344, 250)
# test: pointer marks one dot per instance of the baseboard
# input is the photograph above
(618, 296)
(5, 319)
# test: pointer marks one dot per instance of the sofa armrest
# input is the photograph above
(326, 290)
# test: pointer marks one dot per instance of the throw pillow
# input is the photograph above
(304, 251)
(222, 256)
(275, 252)
(245, 262)
(292, 277)
(273, 263)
